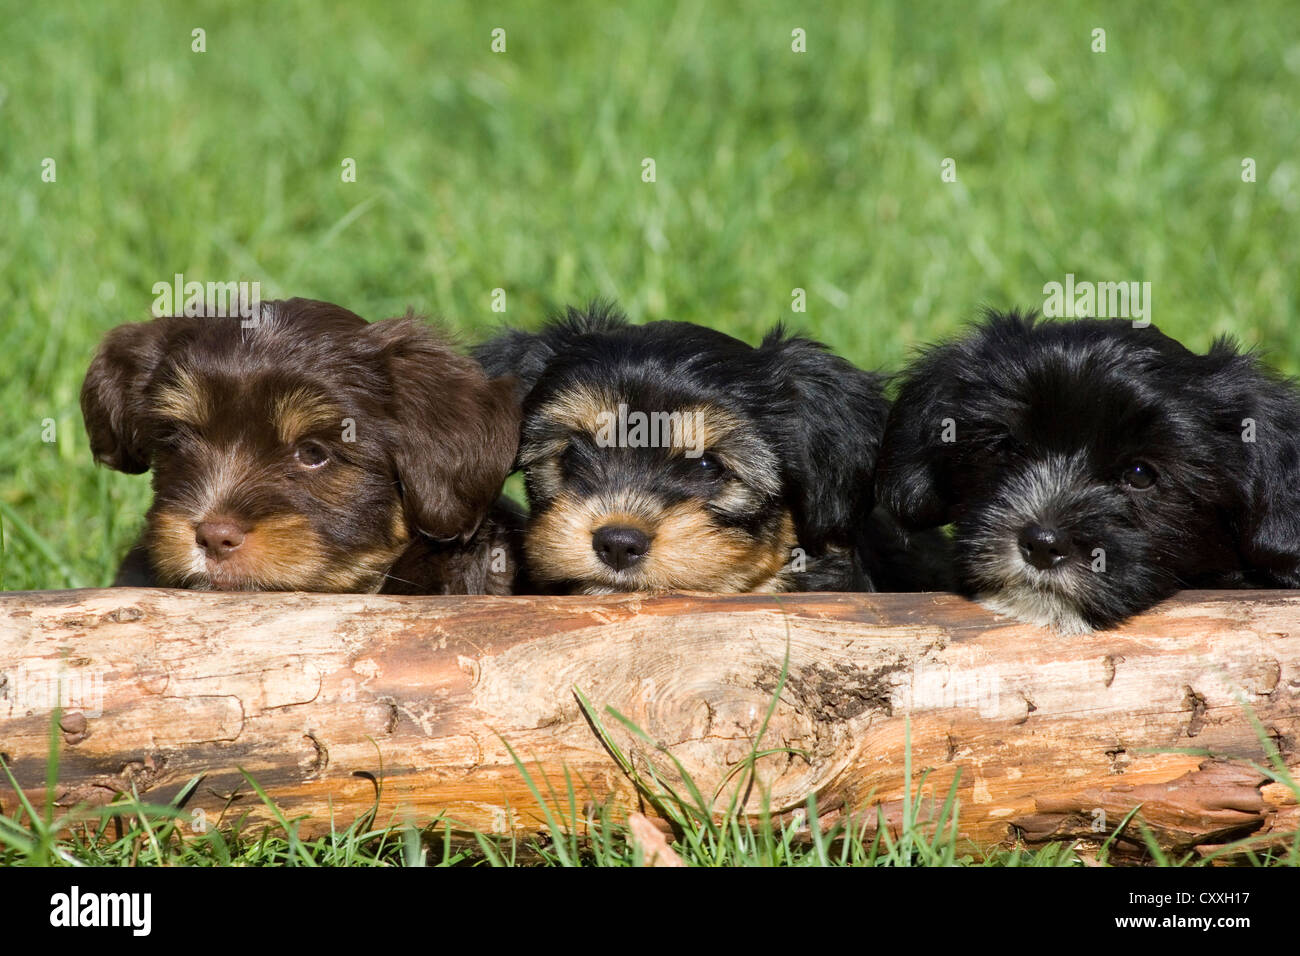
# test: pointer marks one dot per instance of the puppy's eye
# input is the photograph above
(311, 454)
(171, 433)
(707, 467)
(1139, 476)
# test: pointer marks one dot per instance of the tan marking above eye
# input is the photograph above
(714, 429)
(688, 431)
(185, 398)
(547, 450)
(301, 411)
(579, 408)
(594, 412)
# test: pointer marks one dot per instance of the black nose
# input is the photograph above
(1044, 548)
(619, 547)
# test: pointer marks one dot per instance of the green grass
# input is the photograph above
(522, 171)
(710, 829)
(131, 832)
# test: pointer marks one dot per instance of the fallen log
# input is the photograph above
(322, 697)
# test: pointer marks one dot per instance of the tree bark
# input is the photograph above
(321, 697)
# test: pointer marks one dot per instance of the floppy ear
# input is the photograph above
(1269, 432)
(832, 437)
(912, 475)
(525, 355)
(521, 355)
(456, 432)
(113, 394)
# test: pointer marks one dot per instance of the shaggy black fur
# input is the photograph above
(1092, 468)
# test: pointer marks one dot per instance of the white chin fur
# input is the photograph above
(1036, 607)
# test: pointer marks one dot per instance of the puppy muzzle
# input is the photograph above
(1028, 552)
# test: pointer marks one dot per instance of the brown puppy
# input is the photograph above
(306, 449)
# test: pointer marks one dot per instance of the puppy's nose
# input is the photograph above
(619, 547)
(1044, 548)
(219, 538)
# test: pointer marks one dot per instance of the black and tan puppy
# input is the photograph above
(669, 456)
(1091, 468)
(307, 450)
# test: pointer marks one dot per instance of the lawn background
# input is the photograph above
(522, 170)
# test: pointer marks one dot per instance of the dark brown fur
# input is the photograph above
(345, 456)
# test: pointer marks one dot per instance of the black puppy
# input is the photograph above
(308, 450)
(669, 456)
(1092, 468)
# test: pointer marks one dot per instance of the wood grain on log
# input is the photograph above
(319, 696)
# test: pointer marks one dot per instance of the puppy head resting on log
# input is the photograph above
(669, 456)
(1091, 468)
(308, 451)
